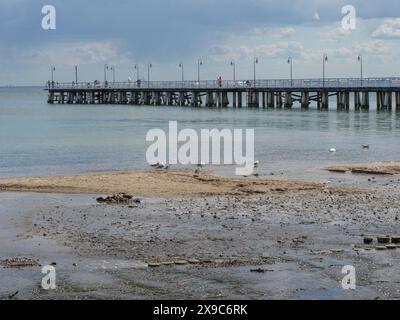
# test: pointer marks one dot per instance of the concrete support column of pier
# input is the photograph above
(138, 98)
(234, 99)
(210, 99)
(225, 100)
(305, 100)
(325, 100)
(182, 99)
(264, 102)
(50, 98)
(288, 100)
(219, 99)
(387, 100)
(279, 100)
(110, 98)
(105, 97)
(398, 101)
(357, 101)
(347, 100)
(168, 99)
(365, 100)
(343, 100)
(152, 100)
(253, 99)
(158, 97)
(256, 99)
(270, 100)
(193, 100)
(250, 99)
(240, 99)
(379, 102)
(175, 97)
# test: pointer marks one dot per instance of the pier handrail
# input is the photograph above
(345, 83)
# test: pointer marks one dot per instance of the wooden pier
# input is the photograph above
(236, 94)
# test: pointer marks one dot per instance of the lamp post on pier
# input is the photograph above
(255, 62)
(113, 71)
(324, 60)
(105, 72)
(199, 64)
(360, 59)
(233, 65)
(137, 71)
(76, 75)
(53, 68)
(290, 62)
(149, 66)
(182, 69)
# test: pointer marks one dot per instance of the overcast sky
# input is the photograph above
(91, 33)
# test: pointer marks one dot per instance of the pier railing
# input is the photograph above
(345, 83)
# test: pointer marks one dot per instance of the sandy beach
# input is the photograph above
(194, 235)
(156, 183)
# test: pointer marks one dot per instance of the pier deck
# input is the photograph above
(261, 93)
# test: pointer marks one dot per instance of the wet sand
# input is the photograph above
(155, 183)
(221, 239)
(378, 168)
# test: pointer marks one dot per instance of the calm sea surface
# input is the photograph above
(41, 139)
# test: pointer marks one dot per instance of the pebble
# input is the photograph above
(396, 239)
(194, 261)
(154, 265)
(383, 240)
(368, 240)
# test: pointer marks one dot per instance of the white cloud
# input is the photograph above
(335, 34)
(73, 53)
(287, 32)
(279, 50)
(389, 29)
